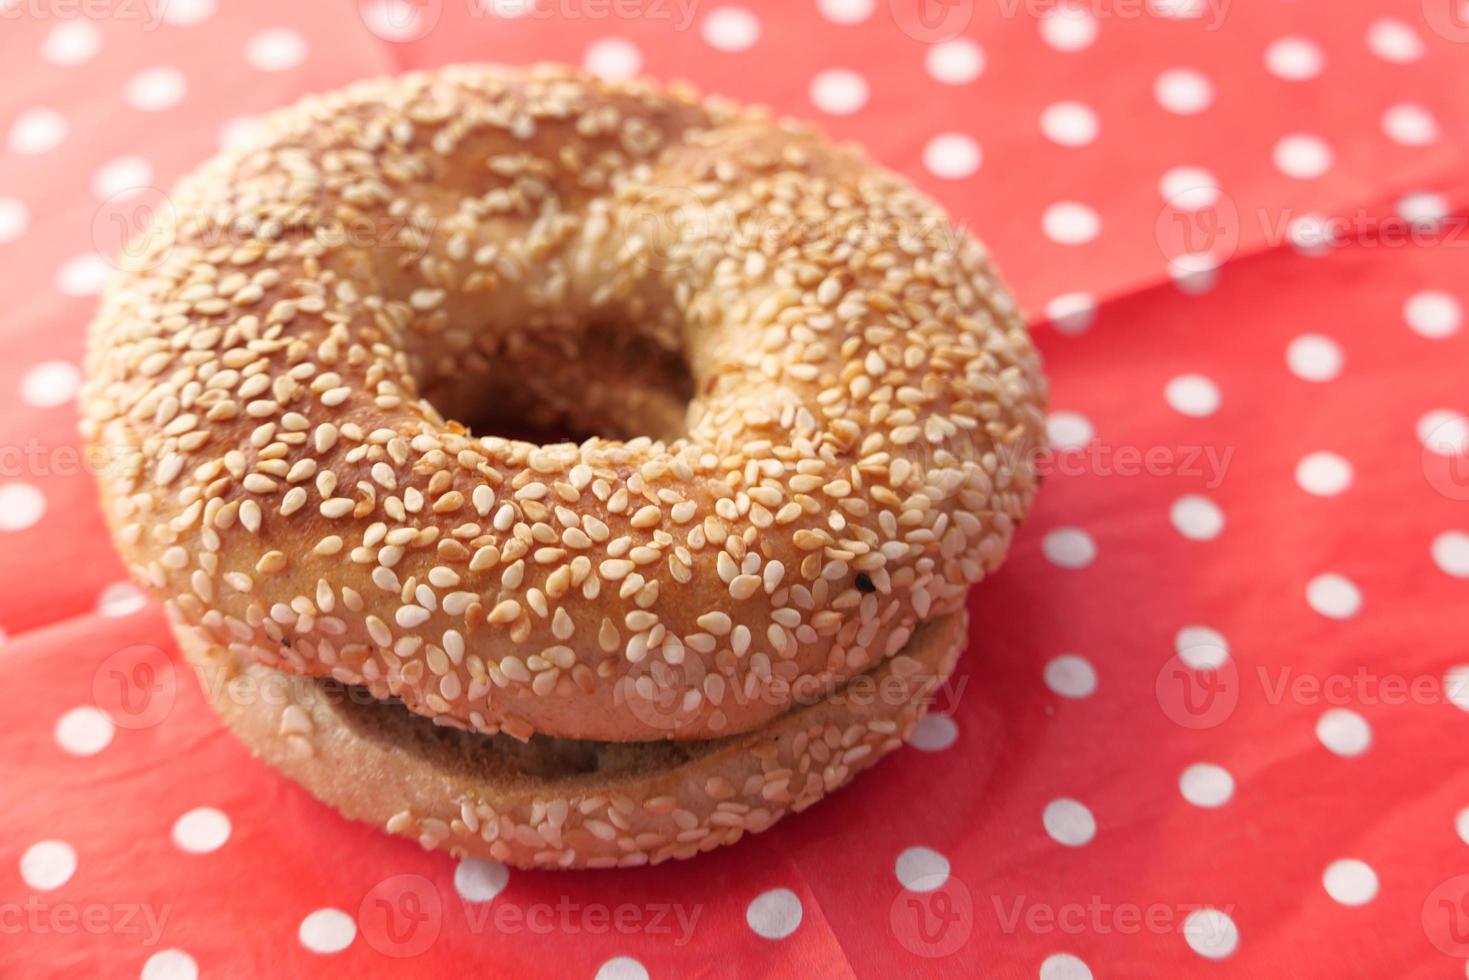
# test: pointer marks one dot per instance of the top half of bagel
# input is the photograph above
(817, 406)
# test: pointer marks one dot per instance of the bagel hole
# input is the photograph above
(607, 381)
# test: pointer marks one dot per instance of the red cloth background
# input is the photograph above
(1212, 721)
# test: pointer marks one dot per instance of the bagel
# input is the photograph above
(559, 803)
(808, 411)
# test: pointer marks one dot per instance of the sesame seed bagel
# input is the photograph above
(566, 804)
(817, 407)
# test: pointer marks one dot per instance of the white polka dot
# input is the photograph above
(72, 43)
(934, 733)
(952, 156)
(1069, 27)
(846, 11)
(774, 914)
(1461, 824)
(14, 219)
(955, 62)
(731, 29)
(1211, 933)
(1178, 9)
(156, 89)
(1069, 822)
(1189, 188)
(921, 869)
(1294, 59)
(1196, 518)
(1072, 313)
(1071, 676)
(508, 9)
(1201, 647)
(1302, 156)
(1193, 395)
(1312, 357)
(1312, 235)
(1393, 40)
(838, 91)
(1444, 432)
(1334, 596)
(478, 880)
(327, 931)
(622, 968)
(613, 58)
(120, 599)
(1207, 785)
(1183, 91)
(1350, 882)
(1069, 123)
(48, 865)
(50, 383)
(1068, 431)
(21, 506)
(1433, 313)
(187, 13)
(1344, 732)
(1423, 209)
(278, 49)
(1069, 547)
(239, 132)
(84, 731)
(170, 964)
(1451, 553)
(37, 131)
(1324, 474)
(1064, 966)
(1410, 124)
(1070, 223)
(123, 175)
(84, 275)
(201, 830)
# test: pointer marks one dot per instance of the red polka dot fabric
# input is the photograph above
(1212, 717)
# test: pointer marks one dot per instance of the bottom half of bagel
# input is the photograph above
(564, 803)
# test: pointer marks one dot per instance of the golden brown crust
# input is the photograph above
(857, 451)
(545, 806)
